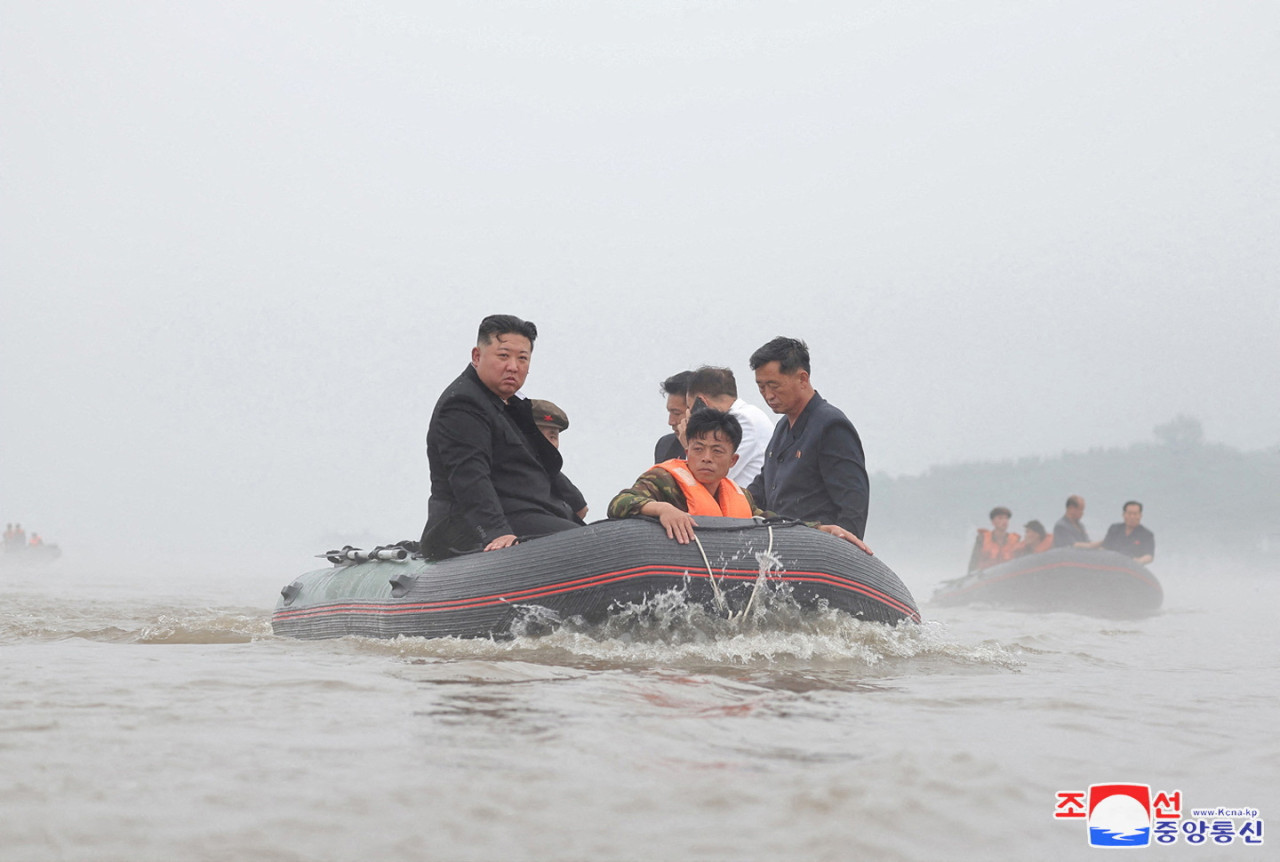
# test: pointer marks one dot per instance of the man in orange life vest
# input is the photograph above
(995, 545)
(678, 489)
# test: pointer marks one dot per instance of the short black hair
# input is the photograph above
(505, 324)
(713, 381)
(1035, 525)
(1000, 510)
(1131, 503)
(710, 420)
(791, 354)
(677, 384)
(1074, 501)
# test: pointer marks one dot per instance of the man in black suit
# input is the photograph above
(1129, 537)
(814, 468)
(494, 477)
(675, 387)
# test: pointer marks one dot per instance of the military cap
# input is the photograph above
(546, 413)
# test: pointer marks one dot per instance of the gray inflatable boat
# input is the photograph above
(588, 574)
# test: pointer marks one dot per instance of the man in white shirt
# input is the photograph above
(717, 388)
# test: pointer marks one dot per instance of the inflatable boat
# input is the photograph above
(30, 555)
(1096, 583)
(588, 574)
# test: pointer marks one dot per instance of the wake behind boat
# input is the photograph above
(1092, 582)
(590, 573)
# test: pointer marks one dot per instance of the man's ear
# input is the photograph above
(475, 357)
(803, 375)
(736, 456)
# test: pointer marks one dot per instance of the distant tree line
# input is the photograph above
(1201, 499)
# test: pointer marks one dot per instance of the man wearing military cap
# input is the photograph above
(551, 420)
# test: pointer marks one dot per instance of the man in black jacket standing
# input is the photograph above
(1131, 538)
(814, 469)
(675, 387)
(494, 476)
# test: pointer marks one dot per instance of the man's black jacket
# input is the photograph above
(667, 447)
(815, 470)
(489, 463)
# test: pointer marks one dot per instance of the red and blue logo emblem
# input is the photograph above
(1119, 815)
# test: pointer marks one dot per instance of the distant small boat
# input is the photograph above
(588, 573)
(1096, 583)
(30, 555)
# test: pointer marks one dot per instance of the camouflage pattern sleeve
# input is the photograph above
(756, 511)
(654, 486)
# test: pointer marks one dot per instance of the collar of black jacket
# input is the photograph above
(802, 421)
(519, 412)
(470, 374)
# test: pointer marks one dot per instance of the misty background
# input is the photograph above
(244, 246)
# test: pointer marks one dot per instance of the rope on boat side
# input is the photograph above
(715, 587)
(756, 589)
(720, 600)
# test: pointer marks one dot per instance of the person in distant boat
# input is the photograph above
(551, 420)
(996, 545)
(677, 491)
(717, 388)
(1069, 532)
(1130, 537)
(8, 537)
(1036, 540)
(36, 541)
(19, 537)
(494, 476)
(814, 468)
(676, 388)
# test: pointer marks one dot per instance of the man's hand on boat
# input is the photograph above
(501, 542)
(679, 525)
(841, 533)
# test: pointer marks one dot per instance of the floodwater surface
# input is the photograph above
(141, 722)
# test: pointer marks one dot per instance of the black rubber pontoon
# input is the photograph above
(1096, 583)
(587, 573)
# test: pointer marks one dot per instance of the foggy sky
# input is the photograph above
(245, 246)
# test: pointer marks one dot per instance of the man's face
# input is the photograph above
(782, 392)
(710, 457)
(552, 433)
(1001, 523)
(503, 363)
(676, 410)
(1132, 516)
(1076, 512)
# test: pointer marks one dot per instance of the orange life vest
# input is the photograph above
(730, 500)
(993, 553)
